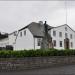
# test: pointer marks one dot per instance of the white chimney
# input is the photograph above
(41, 22)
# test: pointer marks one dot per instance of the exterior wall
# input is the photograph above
(20, 42)
(29, 42)
(4, 42)
(12, 38)
(23, 64)
(57, 38)
(24, 41)
(8, 41)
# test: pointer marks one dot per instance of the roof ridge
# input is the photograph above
(64, 25)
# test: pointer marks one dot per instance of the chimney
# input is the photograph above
(41, 22)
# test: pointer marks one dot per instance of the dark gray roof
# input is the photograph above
(36, 29)
(3, 36)
(23, 28)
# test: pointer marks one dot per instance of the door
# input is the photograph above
(66, 43)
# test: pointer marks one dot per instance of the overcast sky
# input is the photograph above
(17, 14)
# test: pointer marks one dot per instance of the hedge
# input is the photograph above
(36, 53)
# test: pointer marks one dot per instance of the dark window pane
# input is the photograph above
(60, 43)
(39, 42)
(54, 43)
(71, 36)
(54, 33)
(20, 33)
(66, 35)
(65, 28)
(71, 44)
(25, 32)
(60, 34)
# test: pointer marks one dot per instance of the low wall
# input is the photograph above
(16, 64)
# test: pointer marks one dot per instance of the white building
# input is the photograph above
(29, 37)
(63, 37)
(4, 39)
(39, 35)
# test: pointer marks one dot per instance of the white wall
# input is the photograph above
(24, 41)
(8, 41)
(12, 39)
(4, 42)
(57, 38)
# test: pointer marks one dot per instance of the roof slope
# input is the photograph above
(37, 29)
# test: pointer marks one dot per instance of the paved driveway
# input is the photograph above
(62, 70)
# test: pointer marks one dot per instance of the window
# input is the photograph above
(71, 44)
(21, 34)
(54, 43)
(66, 35)
(65, 28)
(39, 41)
(60, 34)
(54, 33)
(25, 32)
(60, 43)
(71, 36)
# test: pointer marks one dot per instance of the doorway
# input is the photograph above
(66, 43)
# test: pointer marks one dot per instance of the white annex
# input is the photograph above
(39, 35)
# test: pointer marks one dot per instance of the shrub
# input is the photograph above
(35, 53)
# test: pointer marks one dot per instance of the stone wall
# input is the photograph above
(18, 64)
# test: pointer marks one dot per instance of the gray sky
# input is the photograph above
(17, 14)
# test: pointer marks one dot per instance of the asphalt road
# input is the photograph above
(62, 70)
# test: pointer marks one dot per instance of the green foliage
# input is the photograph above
(36, 53)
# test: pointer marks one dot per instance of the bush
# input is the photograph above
(35, 53)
